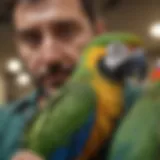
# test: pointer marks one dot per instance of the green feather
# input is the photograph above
(110, 37)
(138, 137)
(55, 126)
(103, 41)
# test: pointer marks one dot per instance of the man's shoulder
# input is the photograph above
(15, 110)
(18, 105)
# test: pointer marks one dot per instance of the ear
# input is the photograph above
(100, 26)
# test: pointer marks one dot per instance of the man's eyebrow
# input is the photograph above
(66, 22)
(20, 32)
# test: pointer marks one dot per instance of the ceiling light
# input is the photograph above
(14, 65)
(23, 79)
(155, 30)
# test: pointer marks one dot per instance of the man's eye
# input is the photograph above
(31, 38)
(65, 31)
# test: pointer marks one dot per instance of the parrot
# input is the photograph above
(138, 136)
(134, 85)
(94, 90)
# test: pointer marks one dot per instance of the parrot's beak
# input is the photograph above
(133, 66)
(121, 63)
(139, 67)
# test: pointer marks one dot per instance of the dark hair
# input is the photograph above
(88, 6)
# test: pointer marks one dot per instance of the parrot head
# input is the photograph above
(118, 55)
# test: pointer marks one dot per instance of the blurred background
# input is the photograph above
(138, 16)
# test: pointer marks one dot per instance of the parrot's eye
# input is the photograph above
(117, 53)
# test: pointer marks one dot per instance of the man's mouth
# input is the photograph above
(57, 77)
(56, 80)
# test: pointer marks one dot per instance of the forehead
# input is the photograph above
(47, 10)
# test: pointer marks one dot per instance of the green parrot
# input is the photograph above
(133, 90)
(138, 137)
(96, 86)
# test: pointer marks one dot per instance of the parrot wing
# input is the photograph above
(132, 93)
(61, 119)
(138, 136)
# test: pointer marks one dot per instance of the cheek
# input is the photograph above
(74, 48)
(33, 66)
(80, 43)
(30, 58)
(83, 39)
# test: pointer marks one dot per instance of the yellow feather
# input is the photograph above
(109, 107)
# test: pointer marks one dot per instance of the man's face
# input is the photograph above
(50, 37)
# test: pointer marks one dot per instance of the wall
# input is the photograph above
(2, 90)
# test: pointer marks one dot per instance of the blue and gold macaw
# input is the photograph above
(81, 118)
(138, 137)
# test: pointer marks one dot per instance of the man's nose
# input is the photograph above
(51, 50)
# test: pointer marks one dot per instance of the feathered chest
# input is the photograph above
(109, 109)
